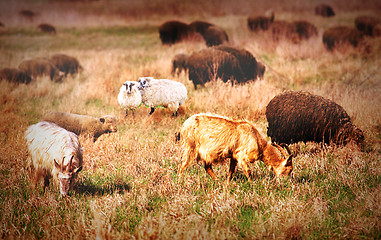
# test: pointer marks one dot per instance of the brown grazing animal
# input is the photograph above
(301, 116)
(39, 67)
(368, 25)
(173, 32)
(15, 75)
(215, 36)
(305, 30)
(324, 10)
(260, 22)
(66, 64)
(179, 63)
(83, 124)
(28, 14)
(341, 35)
(47, 28)
(212, 139)
(199, 26)
(226, 63)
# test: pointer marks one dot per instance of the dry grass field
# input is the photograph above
(129, 188)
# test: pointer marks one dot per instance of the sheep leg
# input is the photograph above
(46, 182)
(152, 110)
(233, 164)
(209, 170)
(126, 113)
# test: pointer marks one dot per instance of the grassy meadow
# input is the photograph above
(129, 188)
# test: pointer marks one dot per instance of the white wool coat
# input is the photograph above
(129, 96)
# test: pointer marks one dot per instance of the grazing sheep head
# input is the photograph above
(108, 124)
(279, 160)
(66, 174)
(144, 82)
(129, 86)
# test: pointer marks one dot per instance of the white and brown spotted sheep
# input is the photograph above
(54, 153)
(83, 124)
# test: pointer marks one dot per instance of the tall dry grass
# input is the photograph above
(129, 186)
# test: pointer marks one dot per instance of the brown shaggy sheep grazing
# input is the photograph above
(341, 35)
(368, 25)
(179, 63)
(212, 139)
(222, 62)
(173, 32)
(324, 10)
(47, 28)
(66, 64)
(214, 36)
(305, 30)
(39, 67)
(260, 22)
(15, 75)
(28, 14)
(301, 116)
(83, 124)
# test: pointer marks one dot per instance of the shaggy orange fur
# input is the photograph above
(212, 139)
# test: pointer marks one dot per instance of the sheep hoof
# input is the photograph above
(152, 110)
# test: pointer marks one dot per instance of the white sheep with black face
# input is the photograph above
(54, 153)
(129, 96)
(162, 92)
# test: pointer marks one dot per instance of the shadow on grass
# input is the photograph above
(88, 187)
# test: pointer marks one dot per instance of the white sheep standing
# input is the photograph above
(129, 96)
(48, 143)
(162, 92)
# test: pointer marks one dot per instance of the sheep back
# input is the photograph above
(67, 64)
(83, 124)
(301, 116)
(335, 36)
(39, 67)
(173, 32)
(15, 75)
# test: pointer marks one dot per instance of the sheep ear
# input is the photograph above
(102, 120)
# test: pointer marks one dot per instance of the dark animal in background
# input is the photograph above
(226, 63)
(247, 62)
(324, 10)
(209, 64)
(368, 25)
(305, 30)
(179, 63)
(260, 70)
(67, 64)
(2, 24)
(47, 28)
(301, 116)
(284, 30)
(173, 32)
(214, 36)
(15, 75)
(39, 67)
(341, 35)
(28, 14)
(199, 26)
(260, 22)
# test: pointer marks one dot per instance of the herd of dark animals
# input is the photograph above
(292, 116)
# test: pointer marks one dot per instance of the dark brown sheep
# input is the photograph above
(368, 25)
(47, 28)
(66, 63)
(300, 116)
(215, 36)
(340, 35)
(2, 24)
(15, 75)
(28, 14)
(179, 63)
(259, 22)
(284, 30)
(247, 62)
(199, 26)
(305, 30)
(173, 32)
(39, 67)
(209, 64)
(324, 10)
